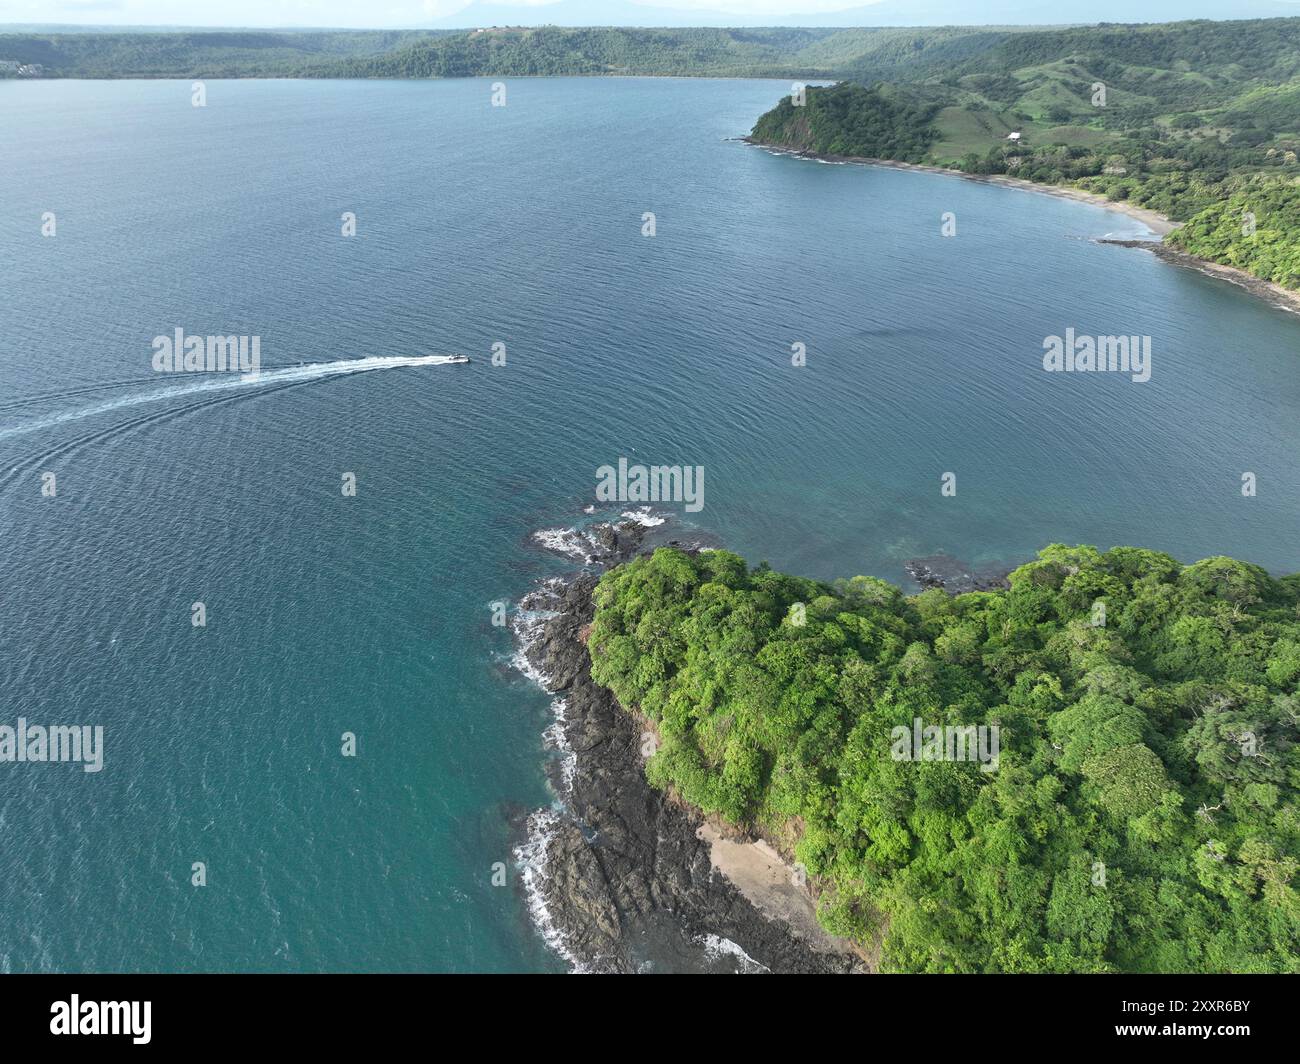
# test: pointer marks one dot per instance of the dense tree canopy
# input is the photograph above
(503, 51)
(848, 119)
(1255, 228)
(1143, 814)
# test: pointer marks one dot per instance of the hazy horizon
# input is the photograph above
(160, 15)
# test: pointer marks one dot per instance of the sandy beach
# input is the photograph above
(1153, 220)
(1161, 225)
(763, 876)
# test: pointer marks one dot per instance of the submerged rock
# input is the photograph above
(955, 576)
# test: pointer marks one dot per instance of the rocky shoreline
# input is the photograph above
(946, 573)
(620, 876)
(1274, 294)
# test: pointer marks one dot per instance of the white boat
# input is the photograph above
(457, 358)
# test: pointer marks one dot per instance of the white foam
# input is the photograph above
(229, 382)
(645, 517)
(532, 857)
(526, 626)
(556, 738)
(716, 947)
(567, 541)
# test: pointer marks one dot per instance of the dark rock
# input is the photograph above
(955, 576)
(628, 883)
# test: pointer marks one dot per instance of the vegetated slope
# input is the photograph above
(555, 50)
(1179, 118)
(1143, 811)
(1256, 229)
(502, 51)
(236, 53)
(848, 119)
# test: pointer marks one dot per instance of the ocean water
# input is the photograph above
(371, 614)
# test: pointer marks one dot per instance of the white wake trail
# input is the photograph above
(230, 382)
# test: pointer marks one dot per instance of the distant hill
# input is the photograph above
(863, 54)
(702, 51)
(676, 14)
(197, 53)
(555, 50)
(885, 13)
(1198, 120)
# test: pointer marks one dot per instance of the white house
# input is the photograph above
(1013, 136)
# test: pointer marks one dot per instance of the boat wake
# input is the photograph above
(231, 382)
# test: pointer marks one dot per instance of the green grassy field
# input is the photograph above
(962, 130)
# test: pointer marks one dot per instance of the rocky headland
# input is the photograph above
(622, 877)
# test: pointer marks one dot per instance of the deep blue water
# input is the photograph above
(327, 614)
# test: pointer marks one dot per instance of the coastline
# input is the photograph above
(1273, 294)
(620, 877)
(1153, 220)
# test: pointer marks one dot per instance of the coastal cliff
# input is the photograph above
(623, 877)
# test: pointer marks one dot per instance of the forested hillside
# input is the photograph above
(235, 53)
(857, 53)
(1181, 118)
(552, 50)
(848, 119)
(1256, 228)
(1141, 813)
(502, 51)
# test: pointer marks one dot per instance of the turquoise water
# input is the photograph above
(327, 614)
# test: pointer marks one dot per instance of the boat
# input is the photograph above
(457, 358)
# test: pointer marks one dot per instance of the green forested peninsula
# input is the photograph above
(1142, 813)
(1198, 120)
(848, 119)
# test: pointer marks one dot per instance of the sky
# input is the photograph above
(383, 14)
